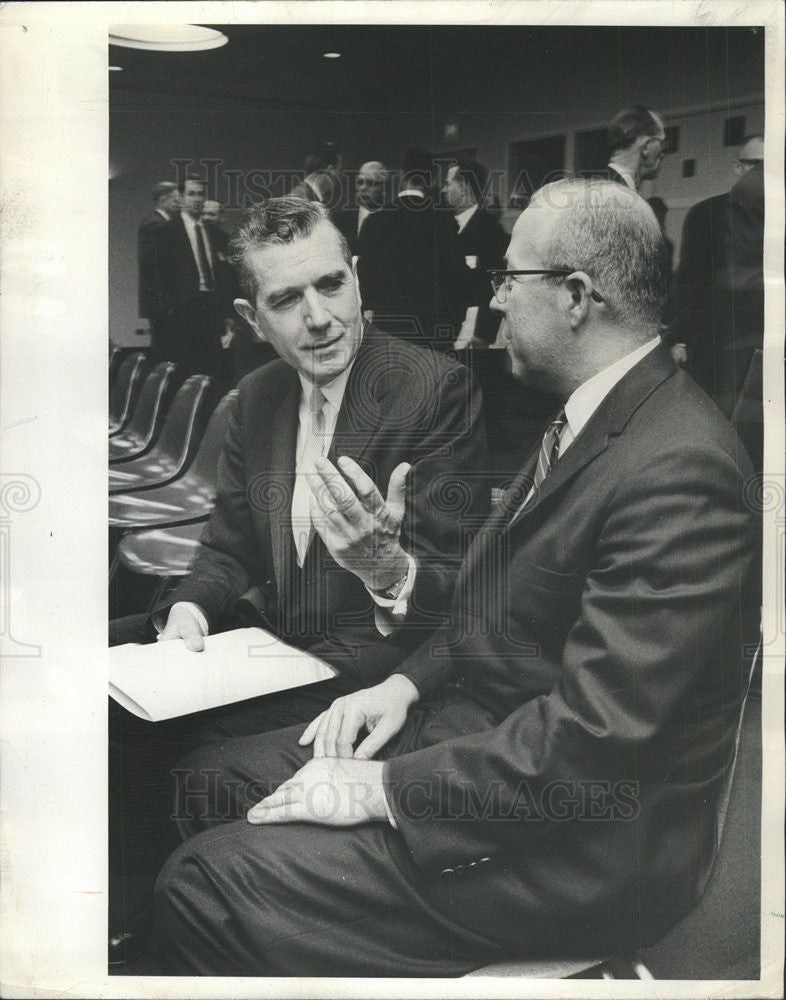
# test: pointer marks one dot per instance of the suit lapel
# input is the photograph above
(608, 421)
(362, 407)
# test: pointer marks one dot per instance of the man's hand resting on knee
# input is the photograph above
(381, 709)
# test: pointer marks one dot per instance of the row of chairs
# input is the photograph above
(164, 447)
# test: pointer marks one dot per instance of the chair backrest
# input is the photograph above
(748, 415)
(124, 390)
(151, 404)
(182, 430)
(205, 466)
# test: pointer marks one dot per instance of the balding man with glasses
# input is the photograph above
(542, 775)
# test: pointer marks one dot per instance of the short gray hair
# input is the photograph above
(611, 233)
(276, 222)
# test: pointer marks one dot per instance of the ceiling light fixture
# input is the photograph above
(166, 37)
(115, 69)
(331, 55)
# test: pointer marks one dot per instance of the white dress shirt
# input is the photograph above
(626, 175)
(463, 217)
(191, 230)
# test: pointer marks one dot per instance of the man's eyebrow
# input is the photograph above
(281, 293)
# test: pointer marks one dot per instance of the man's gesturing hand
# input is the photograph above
(328, 791)
(359, 528)
(381, 709)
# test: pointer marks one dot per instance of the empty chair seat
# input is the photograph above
(123, 391)
(164, 552)
(176, 446)
(141, 431)
(190, 498)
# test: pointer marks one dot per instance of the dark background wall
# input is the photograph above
(257, 106)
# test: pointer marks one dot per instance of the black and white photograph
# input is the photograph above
(393, 499)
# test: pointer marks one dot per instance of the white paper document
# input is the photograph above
(165, 679)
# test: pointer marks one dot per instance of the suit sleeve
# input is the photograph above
(448, 493)
(228, 552)
(148, 270)
(659, 601)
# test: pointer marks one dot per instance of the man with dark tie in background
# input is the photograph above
(546, 774)
(196, 289)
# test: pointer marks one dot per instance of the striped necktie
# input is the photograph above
(549, 449)
(548, 454)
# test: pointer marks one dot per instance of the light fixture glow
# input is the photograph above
(166, 37)
(115, 69)
(331, 55)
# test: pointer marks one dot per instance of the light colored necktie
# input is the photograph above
(302, 497)
(548, 456)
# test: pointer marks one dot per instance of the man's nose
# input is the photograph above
(316, 315)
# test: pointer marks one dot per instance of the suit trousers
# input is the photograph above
(297, 899)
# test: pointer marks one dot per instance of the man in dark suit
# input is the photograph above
(196, 289)
(718, 285)
(370, 197)
(405, 428)
(411, 271)
(543, 775)
(166, 202)
(637, 144)
(481, 238)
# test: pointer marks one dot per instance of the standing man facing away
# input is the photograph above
(166, 203)
(412, 275)
(547, 769)
(481, 238)
(637, 144)
(719, 286)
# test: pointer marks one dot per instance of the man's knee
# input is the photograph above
(132, 628)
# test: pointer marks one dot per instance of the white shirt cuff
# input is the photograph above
(388, 812)
(395, 608)
(195, 610)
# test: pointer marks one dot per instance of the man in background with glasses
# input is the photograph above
(637, 144)
(544, 775)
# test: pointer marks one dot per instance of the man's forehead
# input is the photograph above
(320, 251)
(525, 240)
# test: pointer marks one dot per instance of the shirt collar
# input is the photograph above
(583, 401)
(189, 221)
(164, 214)
(626, 175)
(463, 217)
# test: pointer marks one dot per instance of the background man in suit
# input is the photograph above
(719, 287)
(370, 196)
(637, 143)
(166, 201)
(549, 765)
(359, 590)
(411, 270)
(196, 288)
(481, 238)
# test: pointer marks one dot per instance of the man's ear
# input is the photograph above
(579, 285)
(244, 308)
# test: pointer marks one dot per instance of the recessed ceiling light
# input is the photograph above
(115, 69)
(166, 37)
(331, 55)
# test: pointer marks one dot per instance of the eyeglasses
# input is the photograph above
(501, 282)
